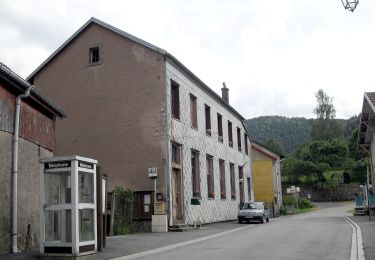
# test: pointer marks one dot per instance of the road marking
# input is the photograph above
(186, 243)
(357, 252)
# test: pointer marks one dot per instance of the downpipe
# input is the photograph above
(15, 168)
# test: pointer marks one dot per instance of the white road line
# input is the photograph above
(357, 252)
(173, 246)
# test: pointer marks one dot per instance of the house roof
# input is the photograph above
(367, 122)
(161, 51)
(265, 150)
(23, 85)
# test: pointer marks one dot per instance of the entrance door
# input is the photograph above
(176, 195)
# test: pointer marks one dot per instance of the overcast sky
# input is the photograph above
(273, 55)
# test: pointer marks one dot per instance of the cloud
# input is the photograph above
(273, 54)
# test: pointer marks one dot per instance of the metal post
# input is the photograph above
(154, 193)
(368, 195)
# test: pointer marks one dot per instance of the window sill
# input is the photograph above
(177, 119)
(194, 128)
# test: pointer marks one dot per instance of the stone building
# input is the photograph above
(36, 140)
(134, 106)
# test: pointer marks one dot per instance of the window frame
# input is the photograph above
(207, 116)
(175, 100)
(195, 173)
(210, 176)
(239, 144)
(193, 112)
(230, 134)
(223, 190)
(232, 181)
(220, 127)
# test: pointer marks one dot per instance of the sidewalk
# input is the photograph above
(140, 242)
(368, 234)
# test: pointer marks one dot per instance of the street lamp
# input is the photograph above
(350, 4)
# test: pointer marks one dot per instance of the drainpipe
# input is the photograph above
(15, 168)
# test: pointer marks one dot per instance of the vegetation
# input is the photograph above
(123, 221)
(320, 152)
(289, 134)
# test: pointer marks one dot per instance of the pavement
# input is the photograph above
(368, 234)
(141, 242)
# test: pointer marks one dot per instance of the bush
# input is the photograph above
(305, 204)
(289, 200)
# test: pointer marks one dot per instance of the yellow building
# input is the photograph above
(267, 176)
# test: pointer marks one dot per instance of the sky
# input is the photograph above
(273, 55)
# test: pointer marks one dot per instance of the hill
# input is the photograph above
(289, 132)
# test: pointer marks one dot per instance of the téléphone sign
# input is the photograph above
(67, 164)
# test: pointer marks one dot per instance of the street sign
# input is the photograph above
(153, 172)
(288, 190)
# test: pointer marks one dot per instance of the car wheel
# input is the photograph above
(262, 221)
(240, 221)
(268, 219)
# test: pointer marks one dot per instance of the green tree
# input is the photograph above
(325, 127)
(275, 146)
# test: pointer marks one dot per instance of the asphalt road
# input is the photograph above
(322, 234)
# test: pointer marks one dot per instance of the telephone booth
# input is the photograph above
(68, 207)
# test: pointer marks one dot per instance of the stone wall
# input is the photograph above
(28, 192)
(343, 192)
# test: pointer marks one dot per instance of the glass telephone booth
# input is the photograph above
(68, 206)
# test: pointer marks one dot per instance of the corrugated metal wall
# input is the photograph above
(34, 125)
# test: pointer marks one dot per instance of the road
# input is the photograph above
(323, 234)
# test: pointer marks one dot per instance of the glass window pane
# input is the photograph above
(57, 187)
(58, 226)
(86, 225)
(86, 187)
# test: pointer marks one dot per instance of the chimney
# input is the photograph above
(225, 93)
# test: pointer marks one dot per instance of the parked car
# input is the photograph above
(254, 211)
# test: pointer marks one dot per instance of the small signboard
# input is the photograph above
(288, 190)
(153, 172)
(85, 165)
(57, 165)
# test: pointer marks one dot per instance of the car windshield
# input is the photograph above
(253, 205)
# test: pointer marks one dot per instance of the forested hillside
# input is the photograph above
(289, 133)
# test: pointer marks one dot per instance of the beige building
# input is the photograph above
(133, 106)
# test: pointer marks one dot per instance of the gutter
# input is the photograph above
(15, 167)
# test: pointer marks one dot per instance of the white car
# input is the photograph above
(254, 211)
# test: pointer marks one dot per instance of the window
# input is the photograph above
(223, 193)
(175, 100)
(241, 183)
(232, 182)
(220, 127)
(246, 147)
(230, 134)
(195, 173)
(176, 153)
(193, 111)
(207, 110)
(239, 139)
(143, 205)
(210, 177)
(94, 55)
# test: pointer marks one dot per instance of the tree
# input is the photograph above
(325, 127)
(275, 146)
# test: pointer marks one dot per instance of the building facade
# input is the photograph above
(366, 133)
(36, 140)
(134, 106)
(267, 176)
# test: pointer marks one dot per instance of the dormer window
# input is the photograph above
(94, 55)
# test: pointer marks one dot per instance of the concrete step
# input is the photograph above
(181, 228)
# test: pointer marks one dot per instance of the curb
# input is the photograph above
(357, 252)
